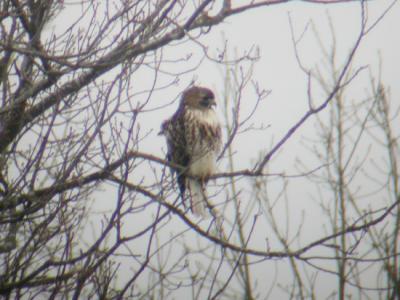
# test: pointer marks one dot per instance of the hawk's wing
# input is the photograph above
(174, 130)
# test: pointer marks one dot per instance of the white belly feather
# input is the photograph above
(203, 161)
(203, 165)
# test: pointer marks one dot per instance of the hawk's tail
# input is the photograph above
(198, 198)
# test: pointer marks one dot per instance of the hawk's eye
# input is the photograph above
(205, 101)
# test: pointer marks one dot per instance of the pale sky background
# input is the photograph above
(277, 70)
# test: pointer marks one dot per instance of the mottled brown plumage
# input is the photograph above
(193, 137)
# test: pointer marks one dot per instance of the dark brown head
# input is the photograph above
(198, 97)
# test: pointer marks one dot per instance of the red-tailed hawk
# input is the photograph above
(193, 137)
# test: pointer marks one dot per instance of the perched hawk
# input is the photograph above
(193, 137)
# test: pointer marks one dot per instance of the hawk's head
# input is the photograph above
(199, 98)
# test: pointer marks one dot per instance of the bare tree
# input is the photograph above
(88, 211)
(358, 151)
